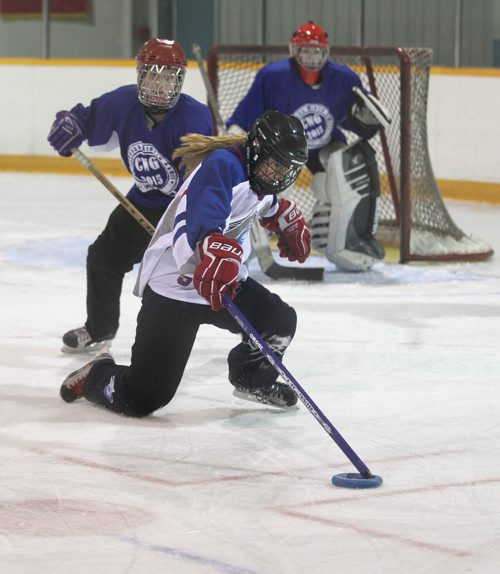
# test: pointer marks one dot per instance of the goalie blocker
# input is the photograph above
(345, 215)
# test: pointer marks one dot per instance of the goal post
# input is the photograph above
(412, 212)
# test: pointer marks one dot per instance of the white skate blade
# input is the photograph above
(101, 346)
(254, 399)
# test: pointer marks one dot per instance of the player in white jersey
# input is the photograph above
(196, 256)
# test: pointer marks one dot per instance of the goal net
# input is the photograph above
(412, 212)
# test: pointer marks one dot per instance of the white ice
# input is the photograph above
(403, 360)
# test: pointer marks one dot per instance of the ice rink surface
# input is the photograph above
(403, 360)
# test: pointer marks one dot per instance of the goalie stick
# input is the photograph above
(260, 246)
(260, 242)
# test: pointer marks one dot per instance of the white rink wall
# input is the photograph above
(463, 122)
(463, 113)
(38, 91)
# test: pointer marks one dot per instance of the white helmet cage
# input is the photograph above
(310, 57)
(159, 87)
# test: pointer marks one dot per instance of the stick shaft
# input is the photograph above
(244, 324)
(311, 406)
(130, 207)
(212, 98)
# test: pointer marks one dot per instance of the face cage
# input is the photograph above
(159, 87)
(271, 177)
(310, 57)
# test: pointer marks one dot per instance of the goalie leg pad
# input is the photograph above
(322, 208)
(353, 190)
(321, 213)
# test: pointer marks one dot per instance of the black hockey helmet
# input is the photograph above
(276, 152)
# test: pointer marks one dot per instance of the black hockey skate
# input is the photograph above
(276, 394)
(254, 379)
(79, 341)
(72, 387)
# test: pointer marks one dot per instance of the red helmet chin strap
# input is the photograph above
(310, 77)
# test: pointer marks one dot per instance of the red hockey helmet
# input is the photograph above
(162, 53)
(161, 68)
(310, 47)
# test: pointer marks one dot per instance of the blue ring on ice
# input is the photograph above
(355, 480)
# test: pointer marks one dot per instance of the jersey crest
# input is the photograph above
(152, 170)
(318, 124)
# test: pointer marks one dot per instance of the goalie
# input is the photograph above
(328, 98)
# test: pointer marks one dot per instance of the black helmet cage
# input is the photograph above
(276, 152)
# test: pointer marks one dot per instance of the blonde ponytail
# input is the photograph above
(194, 148)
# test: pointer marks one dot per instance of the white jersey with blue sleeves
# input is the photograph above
(216, 198)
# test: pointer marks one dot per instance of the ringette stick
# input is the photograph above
(130, 207)
(311, 406)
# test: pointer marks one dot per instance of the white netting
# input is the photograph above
(411, 201)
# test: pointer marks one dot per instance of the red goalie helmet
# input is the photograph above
(161, 68)
(310, 47)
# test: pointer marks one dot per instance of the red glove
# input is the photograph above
(294, 239)
(217, 272)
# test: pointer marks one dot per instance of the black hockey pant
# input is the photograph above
(117, 249)
(166, 331)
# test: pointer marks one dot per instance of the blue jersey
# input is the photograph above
(323, 110)
(216, 197)
(118, 118)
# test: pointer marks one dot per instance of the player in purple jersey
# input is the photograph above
(328, 98)
(146, 120)
(196, 256)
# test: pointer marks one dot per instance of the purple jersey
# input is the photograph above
(117, 118)
(323, 109)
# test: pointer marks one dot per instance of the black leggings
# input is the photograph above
(166, 331)
(117, 249)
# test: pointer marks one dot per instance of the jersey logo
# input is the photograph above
(318, 124)
(151, 170)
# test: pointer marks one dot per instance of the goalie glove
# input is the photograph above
(294, 239)
(66, 133)
(369, 111)
(217, 272)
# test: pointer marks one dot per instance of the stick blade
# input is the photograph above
(276, 271)
(272, 268)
